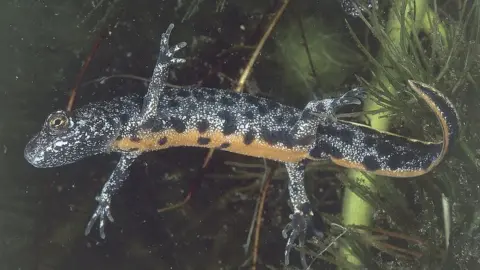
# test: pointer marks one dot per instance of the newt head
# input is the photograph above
(67, 137)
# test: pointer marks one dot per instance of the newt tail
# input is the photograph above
(360, 147)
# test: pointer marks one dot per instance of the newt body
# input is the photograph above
(239, 123)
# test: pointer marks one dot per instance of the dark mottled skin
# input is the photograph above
(240, 123)
(360, 144)
(239, 116)
(339, 139)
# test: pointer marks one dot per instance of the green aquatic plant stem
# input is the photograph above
(355, 210)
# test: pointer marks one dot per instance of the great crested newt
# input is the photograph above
(240, 123)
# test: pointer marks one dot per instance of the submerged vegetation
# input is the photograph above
(428, 222)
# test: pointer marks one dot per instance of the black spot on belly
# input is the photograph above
(324, 147)
(163, 140)
(249, 115)
(173, 103)
(133, 149)
(249, 137)
(229, 124)
(177, 124)
(229, 128)
(183, 93)
(371, 163)
(227, 101)
(346, 136)
(322, 150)
(135, 138)
(202, 126)
(224, 145)
(203, 140)
(336, 153)
(269, 136)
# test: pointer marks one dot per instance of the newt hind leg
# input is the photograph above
(301, 222)
(319, 111)
(304, 133)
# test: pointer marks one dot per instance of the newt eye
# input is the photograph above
(58, 121)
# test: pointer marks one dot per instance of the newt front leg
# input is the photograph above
(114, 183)
(148, 112)
(160, 75)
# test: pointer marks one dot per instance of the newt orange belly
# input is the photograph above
(234, 143)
